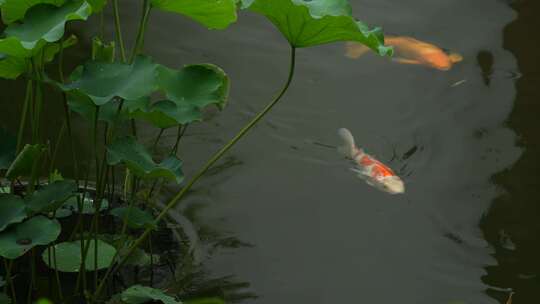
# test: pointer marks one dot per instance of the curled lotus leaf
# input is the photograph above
(68, 256)
(25, 161)
(138, 294)
(214, 14)
(12, 210)
(18, 239)
(316, 22)
(42, 24)
(133, 155)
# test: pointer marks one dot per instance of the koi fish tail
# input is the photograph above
(348, 148)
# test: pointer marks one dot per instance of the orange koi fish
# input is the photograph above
(408, 50)
(374, 172)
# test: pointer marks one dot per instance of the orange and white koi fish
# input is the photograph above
(408, 50)
(374, 172)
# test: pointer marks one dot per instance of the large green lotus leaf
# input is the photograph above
(165, 113)
(108, 112)
(200, 85)
(197, 85)
(11, 210)
(25, 161)
(135, 218)
(13, 10)
(8, 145)
(20, 238)
(315, 22)
(138, 294)
(101, 81)
(69, 257)
(128, 151)
(214, 14)
(42, 24)
(12, 67)
(51, 197)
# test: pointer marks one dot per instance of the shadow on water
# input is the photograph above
(511, 224)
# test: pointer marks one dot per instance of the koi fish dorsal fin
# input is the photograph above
(348, 148)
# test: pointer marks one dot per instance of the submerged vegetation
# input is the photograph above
(90, 228)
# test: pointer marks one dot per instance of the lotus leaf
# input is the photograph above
(138, 294)
(25, 161)
(134, 217)
(214, 14)
(12, 210)
(51, 197)
(126, 150)
(165, 113)
(68, 256)
(19, 238)
(315, 22)
(42, 24)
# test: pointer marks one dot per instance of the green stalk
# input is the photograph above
(139, 42)
(9, 279)
(118, 30)
(57, 146)
(57, 275)
(202, 171)
(27, 98)
(32, 275)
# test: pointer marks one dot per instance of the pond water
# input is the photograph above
(465, 141)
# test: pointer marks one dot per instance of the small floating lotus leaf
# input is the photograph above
(315, 22)
(205, 301)
(25, 161)
(8, 145)
(165, 113)
(68, 256)
(4, 299)
(128, 151)
(19, 238)
(12, 210)
(138, 294)
(51, 197)
(136, 218)
(42, 24)
(214, 14)
(199, 85)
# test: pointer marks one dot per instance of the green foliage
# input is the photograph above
(134, 217)
(42, 24)
(88, 207)
(138, 294)
(310, 23)
(51, 196)
(205, 301)
(12, 210)
(8, 145)
(69, 256)
(4, 299)
(25, 162)
(214, 14)
(100, 82)
(19, 238)
(13, 10)
(164, 113)
(133, 155)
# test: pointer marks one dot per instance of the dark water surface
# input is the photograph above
(465, 141)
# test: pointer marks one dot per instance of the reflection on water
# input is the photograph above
(512, 224)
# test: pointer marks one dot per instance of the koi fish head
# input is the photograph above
(392, 185)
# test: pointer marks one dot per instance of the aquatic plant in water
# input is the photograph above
(80, 229)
